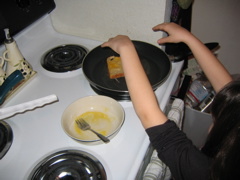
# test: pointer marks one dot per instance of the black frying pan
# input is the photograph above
(155, 62)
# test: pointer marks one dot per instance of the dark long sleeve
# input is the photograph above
(185, 161)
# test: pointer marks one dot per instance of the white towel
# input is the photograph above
(156, 169)
(176, 112)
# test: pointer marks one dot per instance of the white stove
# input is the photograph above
(38, 133)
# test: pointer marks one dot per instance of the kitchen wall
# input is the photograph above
(218, 21)
(102, 19)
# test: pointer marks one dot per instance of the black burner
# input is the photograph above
(64, 58)
(6, 137)
(69, 165)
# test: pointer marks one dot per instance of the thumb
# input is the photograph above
(105, 44)
(163, 40)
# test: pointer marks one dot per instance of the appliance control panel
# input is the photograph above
(18, 14)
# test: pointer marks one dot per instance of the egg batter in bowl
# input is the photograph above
(104, 114)
(98, 121)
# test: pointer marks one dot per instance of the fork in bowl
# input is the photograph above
(83, 125)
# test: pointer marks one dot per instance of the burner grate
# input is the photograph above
(64, 58)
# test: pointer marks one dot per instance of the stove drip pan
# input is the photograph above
(69, 165)
(64, 58)
(6, 138)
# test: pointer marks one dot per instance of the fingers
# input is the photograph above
(117, 43)
(106, 44)
(162, 26)
(164, 40)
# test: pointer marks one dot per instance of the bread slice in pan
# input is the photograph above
(115, 69)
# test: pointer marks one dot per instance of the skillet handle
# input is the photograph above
(182, 52)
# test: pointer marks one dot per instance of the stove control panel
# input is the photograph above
(24, 4)
(18, 14)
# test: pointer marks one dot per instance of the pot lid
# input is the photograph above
(69, 164)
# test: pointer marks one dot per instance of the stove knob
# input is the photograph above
(38, 2)
(23, 4)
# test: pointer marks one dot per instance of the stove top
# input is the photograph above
(38, 133)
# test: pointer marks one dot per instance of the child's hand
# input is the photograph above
(176, 33)
(118, 43)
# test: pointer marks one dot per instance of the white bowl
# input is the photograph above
(104, 114)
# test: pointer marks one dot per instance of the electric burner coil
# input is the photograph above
(64, 58)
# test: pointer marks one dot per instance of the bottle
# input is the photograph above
(14, 58)
(205, 105)
(198, 91)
